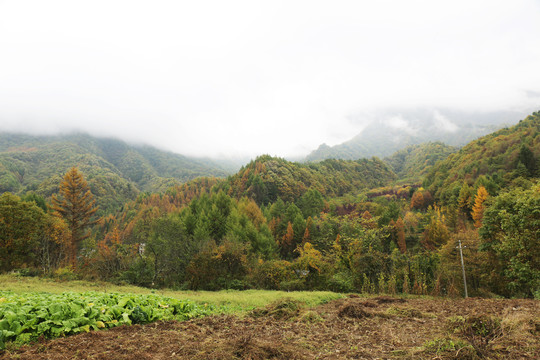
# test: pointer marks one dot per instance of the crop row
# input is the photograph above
(26, 317)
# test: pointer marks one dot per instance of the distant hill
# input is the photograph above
(268, 178)
(395, 130)
(116, 171)
(414, 162)
(496, 161)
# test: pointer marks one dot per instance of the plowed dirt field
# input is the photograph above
(352, 328)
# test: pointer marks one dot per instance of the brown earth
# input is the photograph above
(353, 328)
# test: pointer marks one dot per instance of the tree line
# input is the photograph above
(198, 236)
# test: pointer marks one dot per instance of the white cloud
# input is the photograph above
(399, 123)
(250, 77)
(443, 123)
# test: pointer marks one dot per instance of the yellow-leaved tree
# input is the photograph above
(478, 208)
(76, 205)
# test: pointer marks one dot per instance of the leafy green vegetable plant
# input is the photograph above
(26, 317)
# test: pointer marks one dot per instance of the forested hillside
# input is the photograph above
(413, 162)
(341, 225)
(395, 131)
(116, 171)
(267, 179)
(496, 161)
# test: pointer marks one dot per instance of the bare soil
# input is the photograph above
(353, 328)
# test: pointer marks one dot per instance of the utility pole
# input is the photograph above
(463, 268)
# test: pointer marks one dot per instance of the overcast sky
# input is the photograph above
(250, 77)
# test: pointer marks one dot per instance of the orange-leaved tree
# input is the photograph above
(76, 205)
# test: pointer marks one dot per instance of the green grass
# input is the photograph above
(229, 301)
(20, 297)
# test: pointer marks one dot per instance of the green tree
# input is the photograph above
(510, 232)
(311, 203)
(39, 200)
(21, 224)
(464, 199)
(218, 266)
(76, 205)
(526, 157)
(436, 233)
(170, 249)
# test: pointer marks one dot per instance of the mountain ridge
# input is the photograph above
(114, 169)
(394, 130)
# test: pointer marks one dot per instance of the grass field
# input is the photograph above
(233, 301)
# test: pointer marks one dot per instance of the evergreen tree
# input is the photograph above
(526, 157)
(76, 205)
(311, 203)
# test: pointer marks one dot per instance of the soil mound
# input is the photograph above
(388, 300)
(352, 310)
(283, 309)
(248, 347)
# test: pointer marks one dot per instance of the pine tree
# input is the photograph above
(77, 206)
(526, 157)
(478, 208)
(464, 199)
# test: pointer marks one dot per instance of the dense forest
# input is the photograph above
(116, 171)
(363, 225)
(413, 162)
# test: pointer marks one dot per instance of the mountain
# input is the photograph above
(268, 178)
(116, 171)
(499, 160)
(390, 131)
(414, 162)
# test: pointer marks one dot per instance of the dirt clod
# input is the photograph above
(389, 300)
(354, 311)
(283, 309)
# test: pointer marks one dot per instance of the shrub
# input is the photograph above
(341, 282)
(270, 274)
(65, 274)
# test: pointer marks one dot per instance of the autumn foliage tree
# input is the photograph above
(478, 208)
(400, 235)
(76, 205)
(29, 237)
(417, 200)
(287, 241)
(436, 233)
